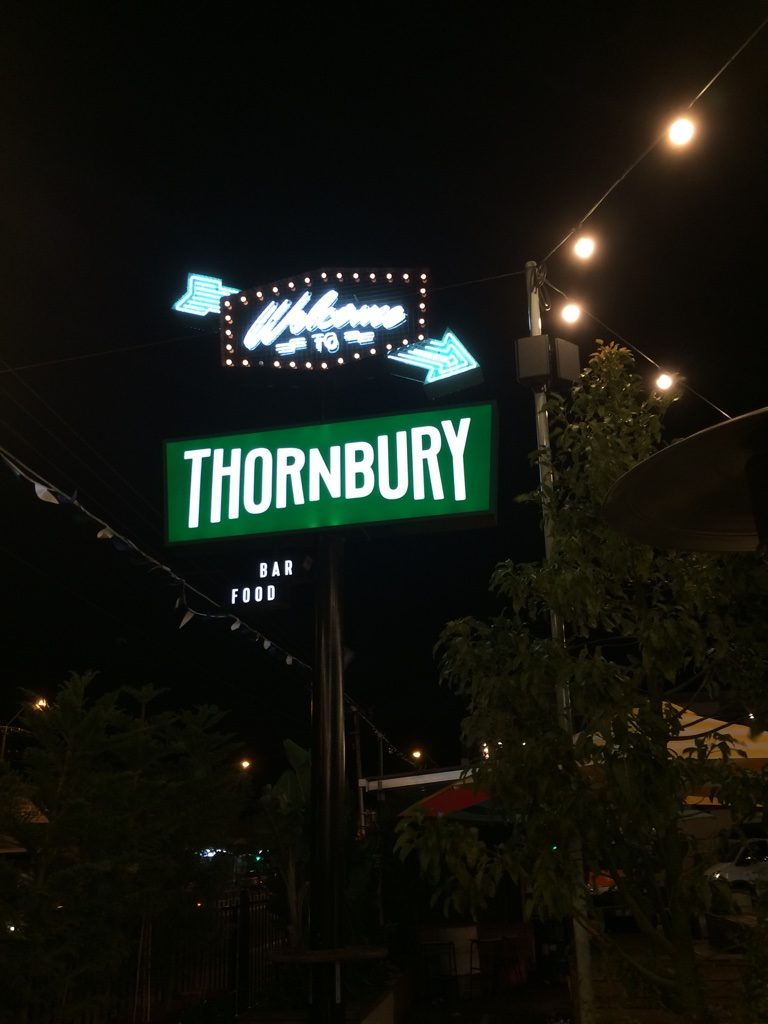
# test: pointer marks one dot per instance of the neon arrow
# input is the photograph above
(203, 295)
(442, 360)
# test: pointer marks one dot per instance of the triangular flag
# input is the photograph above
(267, 644)
(105, 533)
(235, 625)
(188, 615)
(45, 495)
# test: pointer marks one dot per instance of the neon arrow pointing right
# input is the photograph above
(442, 360)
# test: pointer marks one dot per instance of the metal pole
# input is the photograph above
(327, 784)
(358, 777)
(581, 943)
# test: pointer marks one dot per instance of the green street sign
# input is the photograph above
(417, 465)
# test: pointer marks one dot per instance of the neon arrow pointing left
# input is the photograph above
(203, 295)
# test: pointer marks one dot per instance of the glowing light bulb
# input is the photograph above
(416, 755)
(681, 131)
(584, 247)
(245, 763)
(664, 381)
(570, 313)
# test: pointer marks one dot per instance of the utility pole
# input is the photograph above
(534, 277)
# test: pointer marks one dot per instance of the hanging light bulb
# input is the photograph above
(681, 131)
(584, 247)
(570, 312)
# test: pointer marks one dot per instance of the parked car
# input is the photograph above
(747, 871)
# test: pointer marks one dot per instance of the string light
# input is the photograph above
(584, 247)
(570, 312)
(643, 355)
(681, 131)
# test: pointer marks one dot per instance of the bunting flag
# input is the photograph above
(44, 494)
(48, 493)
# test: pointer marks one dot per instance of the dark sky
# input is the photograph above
(141, 147)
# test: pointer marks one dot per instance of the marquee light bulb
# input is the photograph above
(570, 313)
(584, 247)
(681, 131)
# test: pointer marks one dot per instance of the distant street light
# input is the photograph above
(245, 764)
(681, 131)
(41, 704)
(416, 755)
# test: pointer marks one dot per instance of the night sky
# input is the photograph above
(252, 147)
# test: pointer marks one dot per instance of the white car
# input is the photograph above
(748, 871)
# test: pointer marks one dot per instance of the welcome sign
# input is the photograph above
(324, 319)
(433, 464)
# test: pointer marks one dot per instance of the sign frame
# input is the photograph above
(323, 337)
(472, 519)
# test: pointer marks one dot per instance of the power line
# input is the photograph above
(106, 352)
(652, 146)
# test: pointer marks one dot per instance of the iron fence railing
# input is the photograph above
(226, 965)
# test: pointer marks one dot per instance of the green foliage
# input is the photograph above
(282, 824)
(644, 628)
(113, 805)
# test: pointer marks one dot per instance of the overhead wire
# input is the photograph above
(635, 348)
(20, 469)
(104, 462)
(122, 350)
(595, 206)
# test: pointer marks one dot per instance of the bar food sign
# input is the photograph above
(433, 464)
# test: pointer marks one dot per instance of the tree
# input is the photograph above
(644, 629)
(129, 799)
(281, 824)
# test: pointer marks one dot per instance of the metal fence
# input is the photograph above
(206, 977)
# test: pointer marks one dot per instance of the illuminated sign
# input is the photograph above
(268, 582)
(438, 364)
(324, 319)
(203, 295)
(434, 464)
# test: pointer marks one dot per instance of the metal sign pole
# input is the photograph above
(327, 784)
